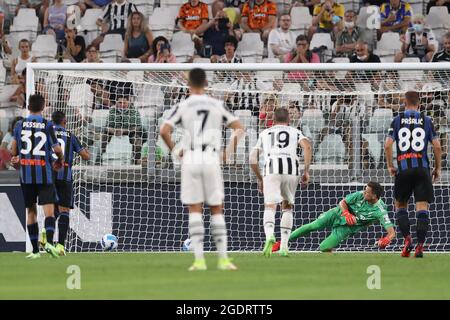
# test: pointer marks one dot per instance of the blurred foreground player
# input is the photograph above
(412, 131)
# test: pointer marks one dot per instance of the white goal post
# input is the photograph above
(130, 187)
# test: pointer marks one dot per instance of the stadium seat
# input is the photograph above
(312, 122)
(374, 146)
(341, 74)
(182, 46)
(365, 94)
(331, 150)
(320, 40)
(417, 6)
(406, 75)
(71, 2)
(388, 45)
(270, 60)
(251, 46)
(301, 20)
(81, 96)
(172, 3)
(202, 60)
(45, 48)
(291, 92)
(25, 25)
(147, 115)
(112, 47)
(162, 22)
(2, 74)
(380, 121)
(144, 6)
(438, 19)
(119, 151)
(88, 27)
(99, 118)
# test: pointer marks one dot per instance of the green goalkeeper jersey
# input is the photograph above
(365, 212)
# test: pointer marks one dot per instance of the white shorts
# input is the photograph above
(278, 187)
(201, 179)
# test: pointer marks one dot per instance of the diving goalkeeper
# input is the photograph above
(355, 213)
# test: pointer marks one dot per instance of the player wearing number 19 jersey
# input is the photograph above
(34, 142)
(412, 131)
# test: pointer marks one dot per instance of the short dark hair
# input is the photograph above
(412, 98)
(301, 37)
(377, 188)
(36, 103)
(231, 39)
(197, 78)
(281, 115)
(58, 117)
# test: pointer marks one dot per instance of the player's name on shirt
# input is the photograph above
(62, 133)
(33, 125)
(412, 121)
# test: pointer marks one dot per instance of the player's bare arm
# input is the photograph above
(166, 134)
(437, 150)
(254, 154)
(84, 154)
(236, 136)
(388, 145)
(58, 164)
(307, 151)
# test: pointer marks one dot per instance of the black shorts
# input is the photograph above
(46, 193)
(417, 181)
(65, 193)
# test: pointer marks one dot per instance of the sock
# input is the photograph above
(49, 223)
(403, 221)
(286, 227)
(269, 222)
(422, 225)
(33, 232)
(63, 227)
(219, 234)
(197, 233)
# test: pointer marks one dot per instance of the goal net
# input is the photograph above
(131, 185)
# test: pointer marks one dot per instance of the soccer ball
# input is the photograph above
(187, 245)
(109, 242)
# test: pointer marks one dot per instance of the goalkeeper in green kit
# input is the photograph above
(354, 213)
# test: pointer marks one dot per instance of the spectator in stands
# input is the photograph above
(192, 15)
(92, 55)
(362, 54)
(444, 54)
(125, 120)
(389, 95)
(8, 137)
(92, 4)
(215, 32)
(19, 96)
(347, 38)
(235, 5)
(76, 46)
(55, 20)
(115, 15)
(395, 16)
(245, 93)
(301, 54)
(20, 63)
(138, 38)
(418, 41)
(327, 18)
(4, 48)
(2, 21)
(294, 114)
(281, 40)
(23, 4)
(41, 7)
(161, 51)
(441, 3)
(230, 56)
(259, 16)
(266, 112)
(306, 3)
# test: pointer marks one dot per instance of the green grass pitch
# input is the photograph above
(165, 276)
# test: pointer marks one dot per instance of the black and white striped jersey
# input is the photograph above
(279, 145)
(117, 14)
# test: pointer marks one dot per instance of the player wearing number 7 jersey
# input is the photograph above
(203, 119)
(34, 139)
(412, 131)
(279, 145)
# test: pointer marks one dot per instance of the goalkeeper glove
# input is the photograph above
(383, 242)
(349, 218)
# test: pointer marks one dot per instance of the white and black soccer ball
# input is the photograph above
(109, 242)
(187, 245)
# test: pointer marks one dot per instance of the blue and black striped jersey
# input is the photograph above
(412, 131)
(35, 139)
(69, 144)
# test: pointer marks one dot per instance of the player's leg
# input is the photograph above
(324, 221)
(192, 195)
(30, 194)
(272, 196)
(338, 235)
(288, 189)
(47, 199)
(423, 194)
(65, 203)
(402, 192)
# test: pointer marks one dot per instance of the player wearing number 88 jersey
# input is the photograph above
(32, 147)
(412, 132)
(279, 145)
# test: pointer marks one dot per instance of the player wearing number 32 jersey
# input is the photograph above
(279, 145)
(412, 131)
(32, 147)
(203, 119)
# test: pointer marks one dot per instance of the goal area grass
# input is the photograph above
(165, 276)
